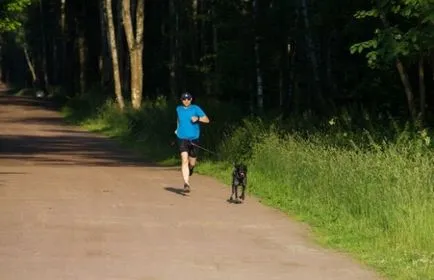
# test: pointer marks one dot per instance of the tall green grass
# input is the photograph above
(365, 189)
(378, 205)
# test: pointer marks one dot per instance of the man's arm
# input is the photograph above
(202, 117)
(177, 125)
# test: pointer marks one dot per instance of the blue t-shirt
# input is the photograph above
(186, 128)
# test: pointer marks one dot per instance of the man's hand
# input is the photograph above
(194, 119)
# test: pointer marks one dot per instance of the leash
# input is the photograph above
(200, 147)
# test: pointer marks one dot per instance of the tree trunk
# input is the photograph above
(215, 46)
(432, 65)
(55, 65)
(401, 70)
(422, 89)
(329, 63)
(66, 74)
(63, 16)
(82, 60)
(60, 42)
(407, 87)
(135, 48)
(259, 85)
(124, 69)
(202, 29)
(1, 63)
(82, 48)
(44, 48)
(30, 65)
(285, 54)
(173, 15)
(103, 61)
(194, 31)
(179, 42)
(113, 52)
(310, 49)
(292, 83)
(259, 79)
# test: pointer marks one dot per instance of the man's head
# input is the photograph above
(186, 98)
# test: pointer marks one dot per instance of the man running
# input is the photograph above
(188, 132)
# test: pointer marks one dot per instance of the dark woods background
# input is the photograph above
(273, 57)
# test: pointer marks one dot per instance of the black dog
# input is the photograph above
(239, 178)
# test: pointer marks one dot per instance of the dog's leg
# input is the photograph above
(242, 192)
(244, 185)
(233, 190)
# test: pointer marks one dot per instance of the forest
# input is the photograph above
(330, 105)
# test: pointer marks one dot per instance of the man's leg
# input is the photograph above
(192, 157)
(184, 167)
(183, 149)
(191, 164)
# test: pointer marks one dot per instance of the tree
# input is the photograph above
(276, 56)
(394, 42)
(135, 47)
(108, 12)
(11, 19)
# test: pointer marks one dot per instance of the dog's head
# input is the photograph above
(240, 170)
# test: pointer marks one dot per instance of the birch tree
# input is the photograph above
(134, 35)
(108, 12)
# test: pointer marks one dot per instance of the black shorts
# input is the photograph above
(187, 146)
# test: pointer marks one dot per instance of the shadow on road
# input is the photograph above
(68, 149)
(46, 139)
(25, 101)
(178, 191)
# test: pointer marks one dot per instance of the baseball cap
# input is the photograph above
(186, 95)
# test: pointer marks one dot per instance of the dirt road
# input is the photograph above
(73, 205)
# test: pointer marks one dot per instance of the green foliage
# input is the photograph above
(365, 14)
(376, 204)
(238, 145)
(409, 36)
(373, 194)
(216, 54)
(10, 12)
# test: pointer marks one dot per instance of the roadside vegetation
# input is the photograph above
(364, 191)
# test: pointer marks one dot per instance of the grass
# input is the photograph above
(362, 191)
(376, 205)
